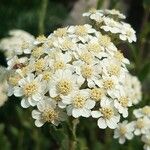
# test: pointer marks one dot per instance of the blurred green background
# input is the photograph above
(17, 129)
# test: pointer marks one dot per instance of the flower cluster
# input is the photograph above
(139, 127)
(17, 43)
(111, 21)
(75, 71)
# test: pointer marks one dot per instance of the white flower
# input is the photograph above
(89, 73)
(142, 112)
(115, 13)
(65, 44)
(111, 67)
(124, 131)
(93, 14)
(40, 39)
(133, 89)
(60, 61)
(63, 82)
(122, 103)
(127, 33)
(96, 49)
(111, 25)
(31, 88)
(48, 112)
(110, 22)
(142, 125)
(120, 58)
(81, 32)
(110, 84)
(78, 103)
(146, 140)
(16, 43)
(105, 42)
(107, 114)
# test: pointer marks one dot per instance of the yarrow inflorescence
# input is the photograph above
(77, 71)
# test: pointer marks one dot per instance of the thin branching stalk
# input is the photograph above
(42, 15)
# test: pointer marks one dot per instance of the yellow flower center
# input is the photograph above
(37, 52)
(108, 84)
(86, 57)
(80, 30)
(123, 101)
(57, 98)
(105, 40)
(96, 94)
(41, 38)
(87, 71)
(39, 65)
(94, 47)
(114, 70)
(61, 32)
(30, 88)
(146, 110)
(122, 130)
(59, 65)
(47, 75)
(64, 87)
(79, 101)
(140, 123)
(118, 55)
(107, 112)
(49, 115)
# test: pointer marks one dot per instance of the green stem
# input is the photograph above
(73, 137)
(42, 15)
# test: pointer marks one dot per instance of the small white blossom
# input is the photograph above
(78, 103)
(107, 115)
(124, 131)
(146, 140)
(32, 88)
(48, 112)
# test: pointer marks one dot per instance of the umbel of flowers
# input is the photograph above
(77, 71)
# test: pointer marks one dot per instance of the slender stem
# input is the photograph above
(73, 137)
(42, 15)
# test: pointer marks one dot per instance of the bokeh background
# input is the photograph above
(17, 130)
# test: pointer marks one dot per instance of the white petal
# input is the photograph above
(89, 104)
(129, 135)
(53, 92)
(96, 114)
(76, 113)
(18, 92)
(32, 102)
(112, 124)
(36, 114)
(61, 105)
(25, 103)
(39, 123)
(86, 113)
(122, 140)
(101, 123)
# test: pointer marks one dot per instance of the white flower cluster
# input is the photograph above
(139, 127)
(75, 71)
(17, 43)
(133, 88)
(111, 21)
